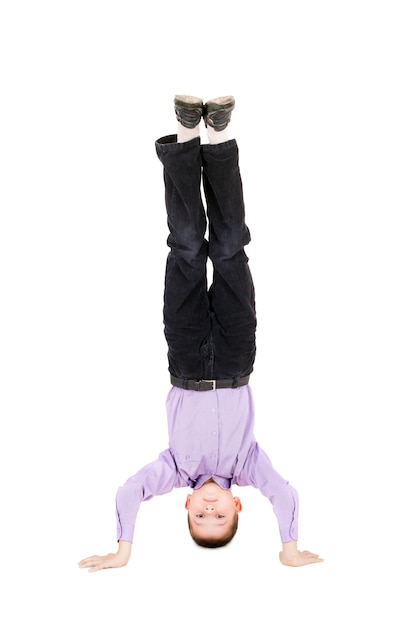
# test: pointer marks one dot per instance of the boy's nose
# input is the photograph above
(209, 508)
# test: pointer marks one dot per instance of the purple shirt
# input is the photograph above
(210, 436)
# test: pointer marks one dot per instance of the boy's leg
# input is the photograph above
(232, 294)
(186, 308)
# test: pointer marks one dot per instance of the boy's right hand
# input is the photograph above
(119, 559)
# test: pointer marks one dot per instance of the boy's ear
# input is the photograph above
(187, 502)
(238, 504)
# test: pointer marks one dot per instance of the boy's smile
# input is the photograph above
(212, 509)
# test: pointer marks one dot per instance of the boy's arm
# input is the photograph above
(154, 479)
(259, 472)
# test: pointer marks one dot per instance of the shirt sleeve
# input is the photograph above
(258, 472)
(154, 479)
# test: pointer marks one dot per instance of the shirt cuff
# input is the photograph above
(125, 531)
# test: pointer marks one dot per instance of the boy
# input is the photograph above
(211, 348)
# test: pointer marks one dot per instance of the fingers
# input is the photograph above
(88, 561)
(309, 557)
(94, 562)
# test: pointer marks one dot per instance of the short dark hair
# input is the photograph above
(215, 542)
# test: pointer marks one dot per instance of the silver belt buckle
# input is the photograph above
(213, 383)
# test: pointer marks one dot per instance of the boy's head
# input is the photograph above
(212, 515)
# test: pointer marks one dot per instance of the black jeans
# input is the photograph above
(210, 332)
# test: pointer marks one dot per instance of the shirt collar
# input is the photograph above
(224, 483)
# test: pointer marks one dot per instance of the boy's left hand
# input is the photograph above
(293, 557)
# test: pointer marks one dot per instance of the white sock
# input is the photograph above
(215, 136)
(186, 134)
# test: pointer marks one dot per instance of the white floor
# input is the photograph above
(325, 120)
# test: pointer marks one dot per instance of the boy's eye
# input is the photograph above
(219, 516)
(199, 515)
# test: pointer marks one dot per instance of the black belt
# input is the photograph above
(209, 385)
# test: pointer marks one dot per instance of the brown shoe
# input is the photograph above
(188, 110)
(217, 112)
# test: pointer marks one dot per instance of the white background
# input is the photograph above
(326, 123)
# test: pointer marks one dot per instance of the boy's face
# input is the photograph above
(211, 510)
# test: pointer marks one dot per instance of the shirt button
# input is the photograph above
(212, 456)
(213, 410)
(187, 456)
(213, 434)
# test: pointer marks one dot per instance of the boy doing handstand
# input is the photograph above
(211, 348)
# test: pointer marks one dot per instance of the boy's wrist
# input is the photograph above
(290, 547)
(125, 548)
